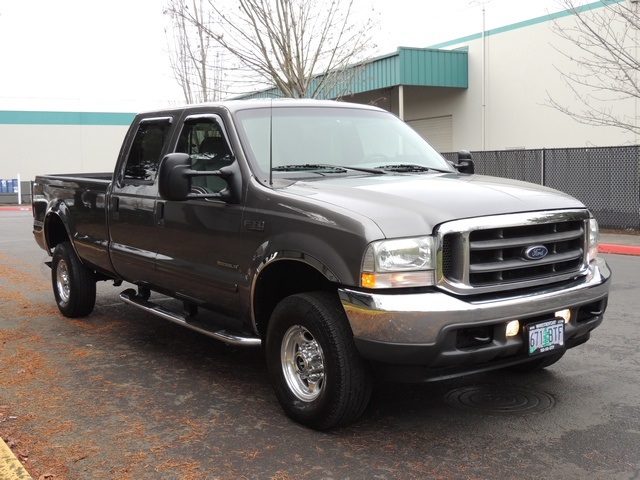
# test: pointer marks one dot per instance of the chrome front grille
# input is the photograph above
(506, 252)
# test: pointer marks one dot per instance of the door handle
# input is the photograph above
(115, 207)
(160, 214)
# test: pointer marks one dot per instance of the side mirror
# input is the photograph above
(175, 174)
(173, 182)
(465, 163)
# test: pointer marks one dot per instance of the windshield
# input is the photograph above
(311, 139)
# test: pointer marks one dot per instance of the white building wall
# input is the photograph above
(521, 69)
(522, 72)
(31, 150)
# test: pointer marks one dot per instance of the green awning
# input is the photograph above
(423, 67)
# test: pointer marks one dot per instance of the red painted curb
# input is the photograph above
(15, 208)
(618, 249)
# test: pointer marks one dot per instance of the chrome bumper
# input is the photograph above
(418, 319)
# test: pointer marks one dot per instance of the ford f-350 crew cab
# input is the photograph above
(336, 237)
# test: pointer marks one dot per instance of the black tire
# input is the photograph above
(74, 285)
(538, 363)
(316, 371)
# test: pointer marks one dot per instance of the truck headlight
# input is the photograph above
(404, 262)
(593, 240)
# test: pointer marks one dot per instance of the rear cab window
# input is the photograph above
(145, 153)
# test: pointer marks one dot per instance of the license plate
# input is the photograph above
(546, 336)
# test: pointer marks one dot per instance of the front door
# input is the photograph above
(198, 256)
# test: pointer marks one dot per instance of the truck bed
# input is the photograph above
(81, 201)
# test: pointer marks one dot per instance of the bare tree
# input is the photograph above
(301, 47)
(604, 46)
(190, 51)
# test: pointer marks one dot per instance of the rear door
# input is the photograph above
(133, 235)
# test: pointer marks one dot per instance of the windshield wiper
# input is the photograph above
(324, 168)
(375, 171)
(410, 168)
(309, 168)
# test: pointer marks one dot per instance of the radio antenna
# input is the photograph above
(271, 144)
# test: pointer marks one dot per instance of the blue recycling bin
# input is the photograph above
(9, 185)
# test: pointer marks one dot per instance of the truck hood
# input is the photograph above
(404, 205)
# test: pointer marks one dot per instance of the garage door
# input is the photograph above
(437, 131)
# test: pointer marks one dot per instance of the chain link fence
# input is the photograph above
(605, 179)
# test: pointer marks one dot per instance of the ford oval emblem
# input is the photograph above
(536, 252)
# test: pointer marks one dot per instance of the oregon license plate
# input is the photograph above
(546, 336)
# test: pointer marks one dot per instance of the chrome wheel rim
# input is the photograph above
(63, 281)
(302, 363)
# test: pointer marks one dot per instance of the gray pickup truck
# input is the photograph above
(334, 236)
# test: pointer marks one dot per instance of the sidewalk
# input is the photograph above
(620, 244)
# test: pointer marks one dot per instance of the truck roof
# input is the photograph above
(237, 105)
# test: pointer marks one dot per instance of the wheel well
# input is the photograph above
(55, 231)
(280, 280)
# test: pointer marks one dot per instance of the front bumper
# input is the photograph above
(425, 329)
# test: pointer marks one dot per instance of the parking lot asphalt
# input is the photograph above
(585, 422)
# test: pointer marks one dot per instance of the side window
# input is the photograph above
(144, 155)
(203, 140)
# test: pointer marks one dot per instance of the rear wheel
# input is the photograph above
(318, 375)
(74, 285)
(538, 363)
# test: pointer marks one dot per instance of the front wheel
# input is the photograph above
(317, 373)
(74, 285)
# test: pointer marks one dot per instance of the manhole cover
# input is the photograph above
(499, 399)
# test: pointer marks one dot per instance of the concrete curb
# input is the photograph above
(618, 249)
(10, 466)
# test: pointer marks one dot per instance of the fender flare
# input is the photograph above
(262, 260)
(61, 212)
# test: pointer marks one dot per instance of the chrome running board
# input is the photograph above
(130, 297)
